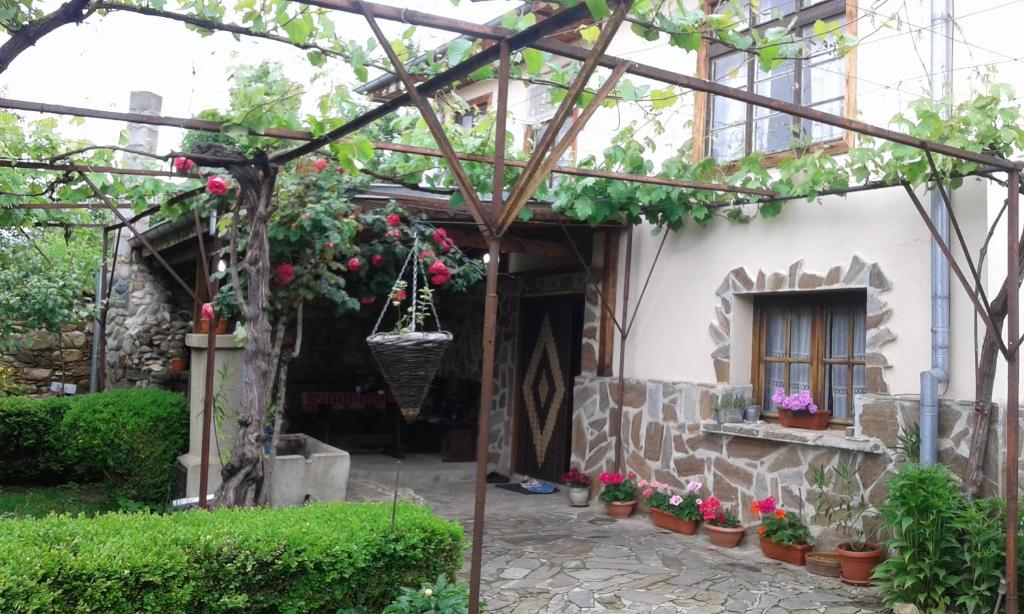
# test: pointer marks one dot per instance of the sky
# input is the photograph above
(98, 64)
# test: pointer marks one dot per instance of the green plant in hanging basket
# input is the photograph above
(409, 355)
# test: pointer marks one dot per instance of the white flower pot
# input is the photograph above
(579, 497)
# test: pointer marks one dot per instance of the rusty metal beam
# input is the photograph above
(1012, 386)
(532, 178)
(501, 132)
(519, 194)
(76, 168)
(436, 130)
(61, 206)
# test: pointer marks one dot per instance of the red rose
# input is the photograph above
(183, 165)
(394, 220)
(320, 165)
(284, 274)
(216, 186)
(440, 279)
(441, 237)
(377, 260)
(367, 300)
(437, 267)
(330, 244)
(398, 296)
(427, 253)
(354, 264)
(395, 234)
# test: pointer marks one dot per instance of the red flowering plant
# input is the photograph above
(685, 505)
(780, 526)
(712, 512)
(618, 488)
(574, 478)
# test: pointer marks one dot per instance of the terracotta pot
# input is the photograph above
(857, 566)
(620, 509)
(823, 564)
(673, 522)
(791, 554)
(579, 496)
(179, 365)
(204, 326)
(804, 419)
(724, 537)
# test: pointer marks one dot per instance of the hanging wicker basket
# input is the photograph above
(409, 358)
(409, 362)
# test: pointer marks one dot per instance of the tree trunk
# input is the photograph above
(244, 467)
(29, 34)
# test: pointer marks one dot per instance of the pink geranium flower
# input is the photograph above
(675, 500)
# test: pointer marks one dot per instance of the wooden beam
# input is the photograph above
(469, 238)
(466, 187)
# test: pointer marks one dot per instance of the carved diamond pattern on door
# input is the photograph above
(543, 390)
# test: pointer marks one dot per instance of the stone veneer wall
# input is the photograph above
(509, 293)
(37, 363)
(146, 324)
(662, 439)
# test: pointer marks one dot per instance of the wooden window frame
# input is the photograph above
(817, 301)
(708, 51)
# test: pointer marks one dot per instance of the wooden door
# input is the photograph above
(550, 330)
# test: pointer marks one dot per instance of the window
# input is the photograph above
(811, 342)
(476, 111)
(817, 79)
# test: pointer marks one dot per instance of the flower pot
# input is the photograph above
(804, 419)
(204, 326)
(857, 566)
(408, 362)
(619, 509)
(727, 415)
(795, 554)
(179, 364)
(724, 537)
(672, 522)
(579, 496)
(823, 564)
(752, 414)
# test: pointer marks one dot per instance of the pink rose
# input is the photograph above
(216, 186)
(354, 264)
(394, 220)
(320, 165)
(207, 311)
(183, 165)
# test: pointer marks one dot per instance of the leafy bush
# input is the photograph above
(30, 445)
(317, 558)
(441, 597)
(129, 438)
(946, 553)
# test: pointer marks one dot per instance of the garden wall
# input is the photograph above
(669, 435)
(38, 361)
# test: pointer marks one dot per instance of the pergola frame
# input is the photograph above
(494, 220)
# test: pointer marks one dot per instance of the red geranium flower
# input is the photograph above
(216, 186)
(183, 165)
(376, 260)
(354, 264)
(284, 274)
(394, 220)
(320, 165)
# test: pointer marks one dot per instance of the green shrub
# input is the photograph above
(129, 438)
(945, 553)
(31, 451)
(318, 558)
(441, 597)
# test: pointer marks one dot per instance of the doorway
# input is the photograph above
(550, 334)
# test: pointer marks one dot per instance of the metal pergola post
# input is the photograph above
(1012, 385)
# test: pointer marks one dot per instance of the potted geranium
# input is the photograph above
(799, 411)
(841, 503)
(782, 534)
(679, 513)
(721, 524)
(579, 487)
(619, 493)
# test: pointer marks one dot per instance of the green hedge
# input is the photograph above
(318, 558)
(128, 438)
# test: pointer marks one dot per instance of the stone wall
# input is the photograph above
(668, 435)
(146, 324)
(38, 362)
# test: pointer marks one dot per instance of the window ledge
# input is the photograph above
(774, 432)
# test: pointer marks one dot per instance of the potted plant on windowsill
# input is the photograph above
(842, 505)
(721, 525)
(782, 534)
(799, 410)
(678, 513)
(579, 487)
(619, 493)
(730, 408)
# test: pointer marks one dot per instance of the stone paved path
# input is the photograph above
(540, 555)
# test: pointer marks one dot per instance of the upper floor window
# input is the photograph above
(816, 79)
(476, 111)
(811, 342)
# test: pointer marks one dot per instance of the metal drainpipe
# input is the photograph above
(941, 86)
